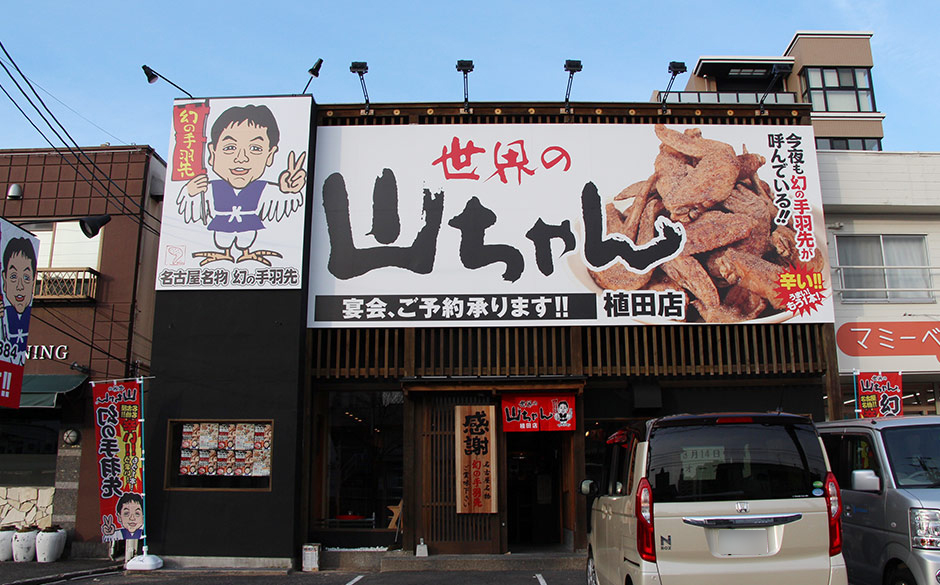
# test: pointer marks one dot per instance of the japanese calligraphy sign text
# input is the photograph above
(528, 412)
(551, 224)
(475, 450)
(120, 474)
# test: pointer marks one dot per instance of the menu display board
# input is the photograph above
(221, 454)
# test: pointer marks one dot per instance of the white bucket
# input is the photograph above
(311, 557)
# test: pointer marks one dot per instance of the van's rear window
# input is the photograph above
(751, 461)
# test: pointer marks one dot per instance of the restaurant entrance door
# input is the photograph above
(534, 490)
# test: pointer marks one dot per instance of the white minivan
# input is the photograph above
(716, 499)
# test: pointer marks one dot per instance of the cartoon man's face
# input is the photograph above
(132, 516)
(18, 282)
(241, 154)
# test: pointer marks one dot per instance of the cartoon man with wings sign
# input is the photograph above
(244, 142)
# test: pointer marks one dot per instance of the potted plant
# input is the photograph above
(50, 543)
(24, 544)
(6, 542)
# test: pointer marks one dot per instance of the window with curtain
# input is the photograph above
(884, 268)
(63, 245)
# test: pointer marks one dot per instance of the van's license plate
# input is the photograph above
(742, 542)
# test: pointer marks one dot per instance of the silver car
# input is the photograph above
(889, 470)
(716, 499)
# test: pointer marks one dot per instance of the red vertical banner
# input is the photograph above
(475, 459)
(189, 128)
(879, 394)
(117, 407)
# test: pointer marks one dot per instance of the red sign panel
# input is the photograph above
(889, 338)
(189, 128)
(879, 394)
(528, 412)
(120, 474)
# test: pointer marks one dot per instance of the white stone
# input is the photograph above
(14, 517)
(14, 494)
(29, 493)
(45, 497)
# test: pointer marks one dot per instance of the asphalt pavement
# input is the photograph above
(84, 574)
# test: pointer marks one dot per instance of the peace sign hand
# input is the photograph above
(107, 525)
(293, 179)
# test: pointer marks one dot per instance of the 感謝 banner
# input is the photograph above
(475, 444)
(462, 225)
(233, 212)
(120, 473)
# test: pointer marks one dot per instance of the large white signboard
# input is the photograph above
(233, 213)
(467, 225)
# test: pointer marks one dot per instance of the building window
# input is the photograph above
(839, 89)
(848, 144)
(64, 245)
(28, 452)
(884, 268)
(365, 457)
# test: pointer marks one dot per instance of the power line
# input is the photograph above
(71, 151)
(71, 109)
(78, 170)
(80, 340)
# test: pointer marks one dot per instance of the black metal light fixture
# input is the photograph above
(779, 70)
(465, 66)
(90, 225)
(572, 66)
(675, 68)
(314, 72)
(361, 67)
(153, 76)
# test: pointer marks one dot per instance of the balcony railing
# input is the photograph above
(66, 284)
(887, 284)
(727, 97)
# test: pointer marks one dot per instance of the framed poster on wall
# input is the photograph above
(220, 454)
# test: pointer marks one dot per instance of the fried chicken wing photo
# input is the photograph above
(734, 253)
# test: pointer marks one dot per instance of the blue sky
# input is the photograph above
(87, 56)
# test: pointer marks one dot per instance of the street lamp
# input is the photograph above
(571, 66)
(465, 67)
(153, 76)
(675, 68)
(314, 72)
(361, 68)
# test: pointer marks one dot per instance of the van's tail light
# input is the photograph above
(645, 540)
(835, 515)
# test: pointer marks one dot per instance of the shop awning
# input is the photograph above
(42, 390)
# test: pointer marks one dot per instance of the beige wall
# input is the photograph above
(878, 193)
(834, 49)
